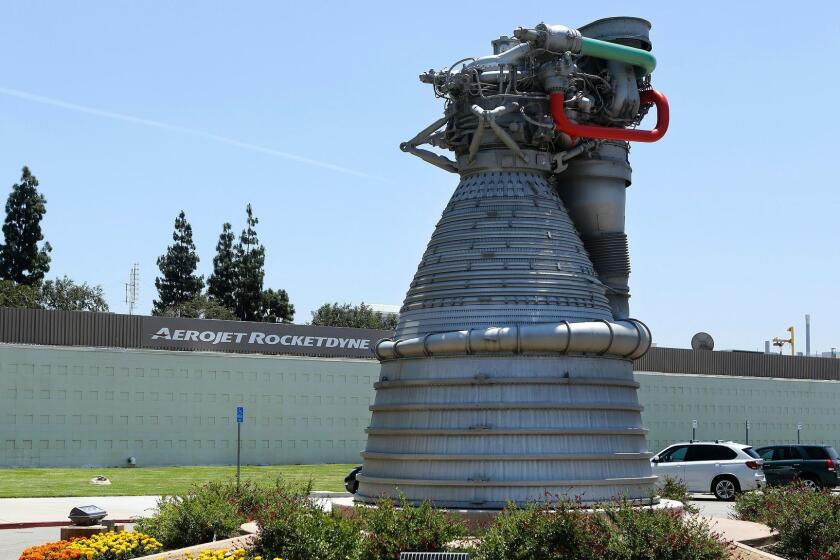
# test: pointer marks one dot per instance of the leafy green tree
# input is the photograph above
(359, 316)
(250, 260)
(178, 283)
(64, 294)
(13, 294)
(199, 307)
(221, 286)
(276, 307)
(21, 260)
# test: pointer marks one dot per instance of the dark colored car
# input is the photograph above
(814, 465)
(350, 482)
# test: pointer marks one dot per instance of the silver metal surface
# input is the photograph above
(510, 374)
(504, 252)
(627, 338)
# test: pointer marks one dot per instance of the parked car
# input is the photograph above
(723, 468)
(350, 482)
(815, 465)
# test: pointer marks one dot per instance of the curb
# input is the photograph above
(33, 524)
(325, 494)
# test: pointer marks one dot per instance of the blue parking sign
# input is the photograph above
(240, 414)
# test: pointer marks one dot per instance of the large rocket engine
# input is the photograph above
(510, 374)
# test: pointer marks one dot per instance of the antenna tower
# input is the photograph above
(132, 288)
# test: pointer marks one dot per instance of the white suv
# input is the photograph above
(723, 468)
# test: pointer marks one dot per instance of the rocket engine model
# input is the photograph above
(510, 374)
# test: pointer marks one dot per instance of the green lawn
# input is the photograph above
(153, 481)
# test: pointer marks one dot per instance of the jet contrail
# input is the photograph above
(180, 129)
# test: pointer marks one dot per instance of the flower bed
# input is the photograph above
(103, 546)
(59, 550)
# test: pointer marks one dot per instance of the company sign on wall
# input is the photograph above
(172, 333)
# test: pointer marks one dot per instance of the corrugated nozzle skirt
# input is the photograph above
(508, 377)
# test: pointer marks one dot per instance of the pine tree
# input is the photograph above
(250, 260)
(276, 307)
(21, 260)
(179, 283)
(221, 286)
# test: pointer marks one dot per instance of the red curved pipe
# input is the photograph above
(575, 130)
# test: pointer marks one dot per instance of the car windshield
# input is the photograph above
(832, 452)
(751, 452)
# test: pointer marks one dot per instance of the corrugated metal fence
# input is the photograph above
(70, 328)
(78, 328)
(753, 364)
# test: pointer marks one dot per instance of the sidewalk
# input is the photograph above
(745, 532)
(46, 510)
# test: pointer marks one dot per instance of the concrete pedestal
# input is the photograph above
(77, 532)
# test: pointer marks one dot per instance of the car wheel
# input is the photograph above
(810, 483)
(725, 487)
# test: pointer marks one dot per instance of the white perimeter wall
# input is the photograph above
(62, 406)
(74, 407)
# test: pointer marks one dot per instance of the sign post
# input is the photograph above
(798, 430)
(748, 432)
(693, 430)
(240, 417)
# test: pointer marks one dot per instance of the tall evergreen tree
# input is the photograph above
(221, 286)
(178, 283)
(250, 262)
(21, 260)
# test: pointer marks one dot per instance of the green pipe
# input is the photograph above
(643, 61)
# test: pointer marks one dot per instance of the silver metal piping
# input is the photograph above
(628, 338)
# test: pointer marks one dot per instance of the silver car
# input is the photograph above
(723, 468)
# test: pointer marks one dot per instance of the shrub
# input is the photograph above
(639, 534)
(750, 506)
(541, 531)
(391, 529)
(295, 527)
(204, 514)
(673, 489)
(620, 531)
(808, 521)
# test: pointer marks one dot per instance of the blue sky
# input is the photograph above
(129, 112)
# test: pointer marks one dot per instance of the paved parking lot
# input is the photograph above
(709, 506)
